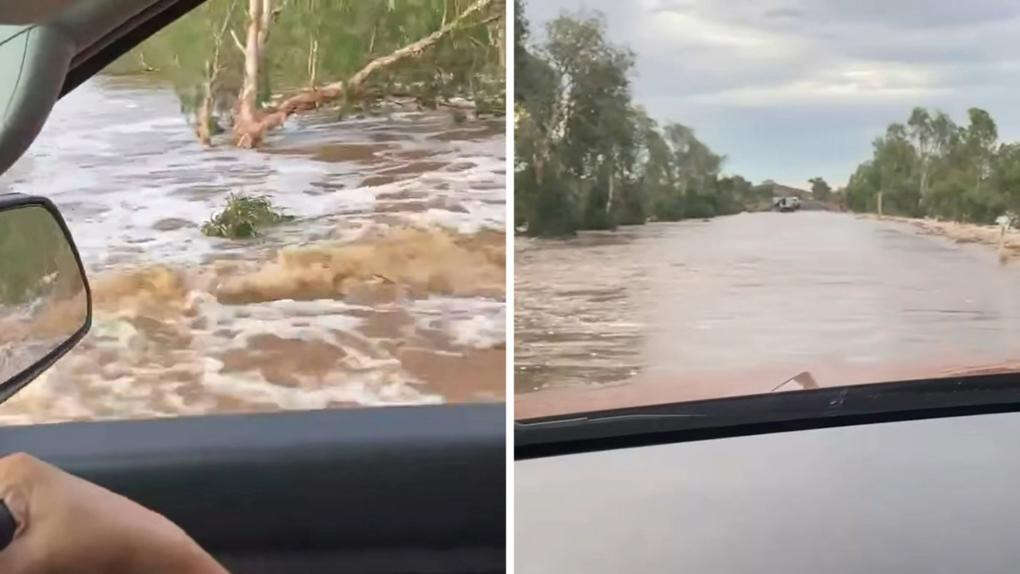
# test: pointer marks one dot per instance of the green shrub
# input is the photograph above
(243, 217)
(554, 213)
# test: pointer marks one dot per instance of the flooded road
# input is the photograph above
(387, 288)
(739, 304)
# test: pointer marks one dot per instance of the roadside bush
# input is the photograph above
(554, 213)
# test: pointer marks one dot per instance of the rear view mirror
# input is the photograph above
(45, 303)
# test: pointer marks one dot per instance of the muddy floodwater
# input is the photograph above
(388, 288)
(739, 304)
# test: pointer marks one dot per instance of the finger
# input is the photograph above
(21, 468)
(17, 558)
(15, 475)
(17, 506)
(19, 476)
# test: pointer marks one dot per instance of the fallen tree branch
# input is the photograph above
(249, 131)
(414, 48)
(485, 21)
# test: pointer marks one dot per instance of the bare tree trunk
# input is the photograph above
(203, 118)
(924, 184)
(313, 62)
(145, 66)
(501, 32)
(251, 123)
(246, 132)
(267, 16)
(609, 197)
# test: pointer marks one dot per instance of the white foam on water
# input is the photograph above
(119, 159)
(461, 222)
(370, 388)
(475, 323)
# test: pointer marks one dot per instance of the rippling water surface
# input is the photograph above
(735, 305)
(387, 289)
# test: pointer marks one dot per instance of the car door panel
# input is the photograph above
(301, 491)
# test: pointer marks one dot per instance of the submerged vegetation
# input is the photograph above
(243, 217)
(244, 66)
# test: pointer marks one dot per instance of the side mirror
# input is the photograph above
(45, 302)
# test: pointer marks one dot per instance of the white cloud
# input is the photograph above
(859, 82)
(680, 28)
(818, 78)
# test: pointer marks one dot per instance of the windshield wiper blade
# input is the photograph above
(766, 413)
(805, 380)
(605, 418)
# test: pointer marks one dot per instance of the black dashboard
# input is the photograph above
(936, 495)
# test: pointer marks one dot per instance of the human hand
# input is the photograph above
(67, 524)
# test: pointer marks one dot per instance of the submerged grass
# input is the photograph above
(243, 217)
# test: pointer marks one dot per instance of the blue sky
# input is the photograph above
(792, 89)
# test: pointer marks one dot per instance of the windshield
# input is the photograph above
(249, 254)
(720, 199)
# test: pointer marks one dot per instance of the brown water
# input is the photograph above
(739, 304)
(387, 289)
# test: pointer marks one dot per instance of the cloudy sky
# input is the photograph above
(791, 89)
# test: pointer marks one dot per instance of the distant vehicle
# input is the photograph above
(785, 204)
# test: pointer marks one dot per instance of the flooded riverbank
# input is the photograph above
(387, 288)
(737, 305)
(1007, 242)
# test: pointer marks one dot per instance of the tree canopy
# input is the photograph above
(933, 167)
(328, 40)
(588, 157)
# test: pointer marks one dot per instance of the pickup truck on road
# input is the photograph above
(785, 204)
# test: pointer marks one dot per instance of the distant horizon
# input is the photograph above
(789, 90)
